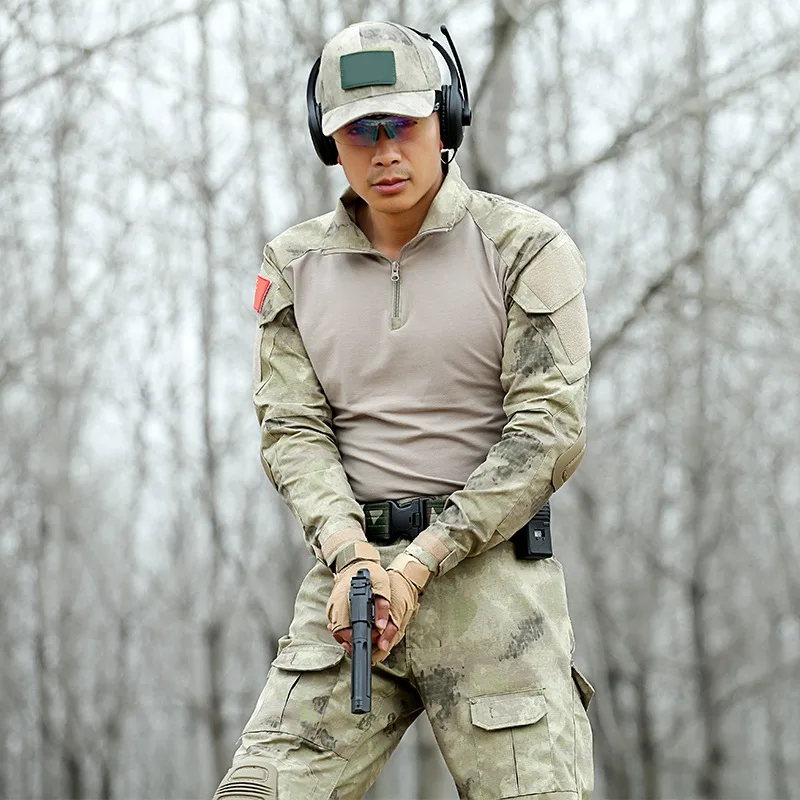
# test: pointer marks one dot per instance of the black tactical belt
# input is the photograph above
(390, 520)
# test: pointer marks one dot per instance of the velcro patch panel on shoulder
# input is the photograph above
(553, 278)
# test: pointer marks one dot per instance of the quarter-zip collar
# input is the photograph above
(447, 208)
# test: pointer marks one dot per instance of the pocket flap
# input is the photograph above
(494, 711)
(554, 277)
(301, 657)
(273, 293)
(276, 300)
(585, 689)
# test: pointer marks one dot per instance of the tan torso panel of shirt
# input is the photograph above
(415, 390)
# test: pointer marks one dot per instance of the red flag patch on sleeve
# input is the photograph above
(262, 287)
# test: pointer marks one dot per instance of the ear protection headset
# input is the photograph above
(453, 101)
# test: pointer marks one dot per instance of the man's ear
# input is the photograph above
(338, 159)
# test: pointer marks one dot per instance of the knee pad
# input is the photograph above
(253, 778)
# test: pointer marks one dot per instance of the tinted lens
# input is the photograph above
(365, 132)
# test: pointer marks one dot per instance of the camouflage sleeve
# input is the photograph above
(545, 379)
(299, 452)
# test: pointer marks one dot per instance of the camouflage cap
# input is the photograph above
(376, 68)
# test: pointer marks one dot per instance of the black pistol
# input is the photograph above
(362, 618)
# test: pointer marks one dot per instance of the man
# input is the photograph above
(421, 341)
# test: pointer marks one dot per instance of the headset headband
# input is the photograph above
(455, 113)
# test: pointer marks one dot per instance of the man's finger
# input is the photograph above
(344, 636)
(387, 636)
(381, 613)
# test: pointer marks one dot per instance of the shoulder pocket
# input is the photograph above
(277, 297)
(513, 742)
(552, 286)
(554, 277)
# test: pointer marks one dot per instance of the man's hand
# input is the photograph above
(383, 632)
(407, 578)
(339, 602)
(397, 590)
(391, 618)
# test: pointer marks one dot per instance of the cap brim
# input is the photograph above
(405, 104)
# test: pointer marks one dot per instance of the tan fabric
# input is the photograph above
(254, 778)
(402, 608)
(416, 408)
(568, 461)
(354, 551)
(338, 607)
(488, 658)
(412, 94)
(474, 395)
(332, 547)
(435, 548)
(412, 569)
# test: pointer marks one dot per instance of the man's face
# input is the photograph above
(393, 174)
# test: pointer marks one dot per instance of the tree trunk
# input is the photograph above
(212, 627)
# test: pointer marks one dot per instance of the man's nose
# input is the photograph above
(386, 151)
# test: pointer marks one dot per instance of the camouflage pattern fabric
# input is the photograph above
(545, 366)
(545, 379)
(489, 655)
(412, 94)
(488, 658)
(298, 449)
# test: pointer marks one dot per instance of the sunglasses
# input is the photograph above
(365, 132)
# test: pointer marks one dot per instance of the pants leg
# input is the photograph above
(490, 657)
(302, 742)
(491, 654)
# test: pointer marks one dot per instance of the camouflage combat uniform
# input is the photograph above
(367, 387)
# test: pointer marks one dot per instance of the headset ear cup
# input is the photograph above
(455, 129)
(324, 146)
(444, 121)
(332, 155)
(450, 115)
(329, 154)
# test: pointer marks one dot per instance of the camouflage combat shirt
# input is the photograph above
(461, 369)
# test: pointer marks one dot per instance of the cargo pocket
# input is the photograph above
(301, 685)
(512, 740)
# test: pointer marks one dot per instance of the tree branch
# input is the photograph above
(659, 121)
(87, 53)
(717, 223)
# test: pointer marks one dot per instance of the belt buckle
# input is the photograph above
(407, 519)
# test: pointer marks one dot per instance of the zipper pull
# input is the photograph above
(397, 319)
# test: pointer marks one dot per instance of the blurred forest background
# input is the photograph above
(147, 152)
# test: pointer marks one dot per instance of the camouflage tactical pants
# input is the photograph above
(488, 658)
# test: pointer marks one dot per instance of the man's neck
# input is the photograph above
(388, 233)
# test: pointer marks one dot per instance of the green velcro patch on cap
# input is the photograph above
(367, 68)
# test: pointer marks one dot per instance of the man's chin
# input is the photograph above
(393, 203)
